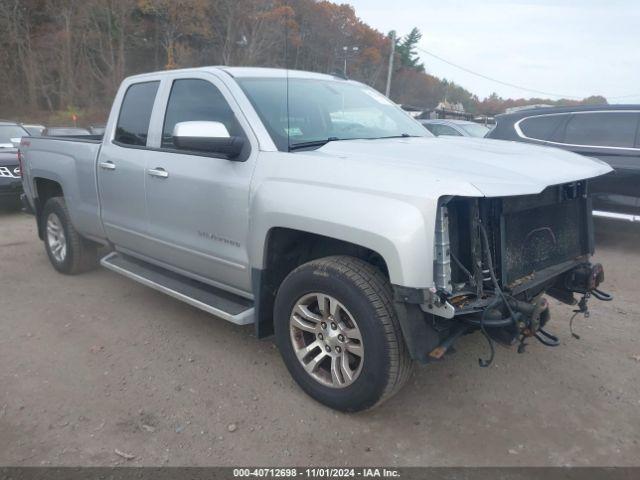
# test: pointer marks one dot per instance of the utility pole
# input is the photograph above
(390, 71)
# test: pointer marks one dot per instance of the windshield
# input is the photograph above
(475, 129)
(321, 110)
(34, 130)
(7, 132)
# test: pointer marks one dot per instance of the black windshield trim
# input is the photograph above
(322, 143)
(314, 143)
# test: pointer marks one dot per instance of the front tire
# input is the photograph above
(339, 335)
(68, 252)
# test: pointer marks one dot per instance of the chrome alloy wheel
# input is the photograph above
(56, 239)
(326, 339)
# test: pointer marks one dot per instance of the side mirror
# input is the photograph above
(16, 141)
(210, 137)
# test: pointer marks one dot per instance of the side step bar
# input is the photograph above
(617, 216)
(213, 300)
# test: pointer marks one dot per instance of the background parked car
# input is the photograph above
(34, 130)
(10, 178)
(610, 133)
(455, 128)
(97, 129)
(65, 131)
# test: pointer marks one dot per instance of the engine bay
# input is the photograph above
(497, 258)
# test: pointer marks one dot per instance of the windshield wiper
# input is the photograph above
(402, 135)
(320, 143)
(314, 143)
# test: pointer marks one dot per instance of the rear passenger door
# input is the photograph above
(121, 168)
(610, 136)
(198, 210)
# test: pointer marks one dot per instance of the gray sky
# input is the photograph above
(574, 48)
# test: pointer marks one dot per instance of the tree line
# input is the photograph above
(67, 57)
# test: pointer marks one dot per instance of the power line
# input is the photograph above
(637, 95)
(486, 77)
(507, 84)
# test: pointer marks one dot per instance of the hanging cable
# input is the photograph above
(472, 280)
(513, 85)
(492, 273)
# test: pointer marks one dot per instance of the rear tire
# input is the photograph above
(68, 252)
(339, 335)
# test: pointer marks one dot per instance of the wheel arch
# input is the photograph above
(45, 189)
(400, 230)
(287, 248)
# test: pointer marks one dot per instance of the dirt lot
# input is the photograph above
(95, 363)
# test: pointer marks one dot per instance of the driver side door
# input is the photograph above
(198, 202)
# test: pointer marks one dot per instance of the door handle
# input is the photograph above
(108, 165)
(158, 172)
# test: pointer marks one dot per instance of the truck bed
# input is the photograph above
(72, 162)
(76, 138)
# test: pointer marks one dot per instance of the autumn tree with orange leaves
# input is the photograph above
(71, 55)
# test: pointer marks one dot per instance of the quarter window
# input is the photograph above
(543, 127)
(607, 129)
(135, 114)
(197, 100)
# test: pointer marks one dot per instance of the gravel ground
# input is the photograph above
(97, 363)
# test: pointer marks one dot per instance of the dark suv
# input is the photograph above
(610, 133)
(10, 179)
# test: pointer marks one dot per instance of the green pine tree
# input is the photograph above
(406, 48)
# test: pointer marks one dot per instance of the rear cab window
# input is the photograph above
(132, 128)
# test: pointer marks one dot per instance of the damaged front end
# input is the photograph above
(495, 259)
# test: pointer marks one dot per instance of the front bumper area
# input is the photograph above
(431, 322)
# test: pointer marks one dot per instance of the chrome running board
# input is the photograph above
(215, 301)
(617, 216)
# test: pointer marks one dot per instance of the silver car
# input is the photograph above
(455, 128)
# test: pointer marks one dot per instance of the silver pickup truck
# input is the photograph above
(316, 209)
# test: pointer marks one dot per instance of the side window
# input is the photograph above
(135, 114)
(193, 100)
(607, 129)
(439, 129)
(429, 126)
(543, 127)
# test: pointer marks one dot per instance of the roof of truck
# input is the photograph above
(252, 72)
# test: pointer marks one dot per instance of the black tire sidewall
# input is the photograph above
(53, 206)
(370, 385)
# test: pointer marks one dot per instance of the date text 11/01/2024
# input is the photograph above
(318, 472)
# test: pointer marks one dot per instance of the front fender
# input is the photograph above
(399, 229)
